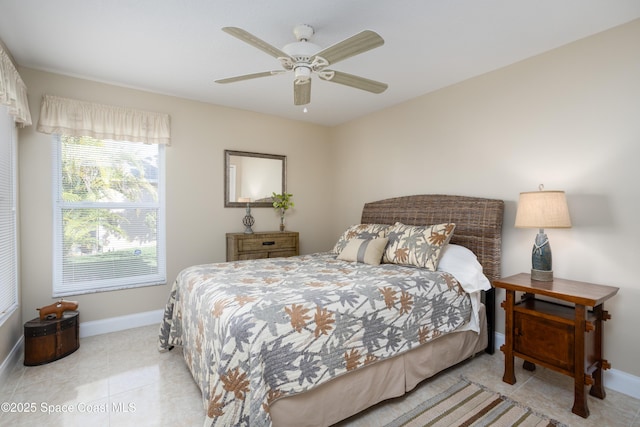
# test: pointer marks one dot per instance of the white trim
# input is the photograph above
(622, 382)
(121, 323)
(614, 379)
(12, 359)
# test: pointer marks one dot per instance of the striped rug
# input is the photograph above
(467, 404)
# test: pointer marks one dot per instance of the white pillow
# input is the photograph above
(463, 264)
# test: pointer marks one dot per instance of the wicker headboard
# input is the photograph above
(478, 221)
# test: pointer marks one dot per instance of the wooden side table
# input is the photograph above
(559, 337)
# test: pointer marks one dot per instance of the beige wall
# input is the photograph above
(196, 218)
(568, 118)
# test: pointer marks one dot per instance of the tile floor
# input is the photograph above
(120, 379)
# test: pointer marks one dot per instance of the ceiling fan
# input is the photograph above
(305, 58)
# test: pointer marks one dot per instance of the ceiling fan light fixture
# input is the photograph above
(302, 74)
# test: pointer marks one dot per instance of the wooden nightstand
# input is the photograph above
(269, 244)
(565, 339)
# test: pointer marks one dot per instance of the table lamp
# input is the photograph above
(542, 209)
(248, 220)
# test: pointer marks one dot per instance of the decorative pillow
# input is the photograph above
(368, 251)
(417, 245)
(464, 265)
(360, 231)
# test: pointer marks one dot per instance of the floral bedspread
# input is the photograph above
(255, 331)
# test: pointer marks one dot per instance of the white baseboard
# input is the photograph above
(14, 356)
(622, 382)
(115, 324)
(614, 379)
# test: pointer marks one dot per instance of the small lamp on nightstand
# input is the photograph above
(542, 209)
(248, 220)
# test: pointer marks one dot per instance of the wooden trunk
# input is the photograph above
(50, 339)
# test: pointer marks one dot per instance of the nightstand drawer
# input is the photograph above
(269, 243)
(264, 254)
(266, 244)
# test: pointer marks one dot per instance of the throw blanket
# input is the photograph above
(255, 331)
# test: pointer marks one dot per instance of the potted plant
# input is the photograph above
(282, 202)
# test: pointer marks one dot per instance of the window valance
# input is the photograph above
(13, 92)
(79, 118)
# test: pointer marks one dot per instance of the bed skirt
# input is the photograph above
(351, 393)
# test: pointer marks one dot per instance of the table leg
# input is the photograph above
(597, 389)
(509, 376)
(580, 406)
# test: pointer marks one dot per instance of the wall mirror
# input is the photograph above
(253, 177)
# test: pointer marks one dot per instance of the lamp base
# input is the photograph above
(248, 221)
(542, 275)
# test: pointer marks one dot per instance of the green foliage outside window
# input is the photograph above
(96, 173)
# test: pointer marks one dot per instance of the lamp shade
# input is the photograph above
(543, 209)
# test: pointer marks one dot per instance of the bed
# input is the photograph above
(314, 339)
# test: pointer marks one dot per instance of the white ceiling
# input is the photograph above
(176, 47)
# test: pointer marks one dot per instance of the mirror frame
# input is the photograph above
(228, 154)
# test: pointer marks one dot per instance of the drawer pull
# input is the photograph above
(268, 243)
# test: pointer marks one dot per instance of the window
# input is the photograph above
(8, 226)
(108, 215)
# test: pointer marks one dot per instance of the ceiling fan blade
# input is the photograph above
(255, 42)
(353, 81)
(302, 93)
(354, 45)
(248, 76)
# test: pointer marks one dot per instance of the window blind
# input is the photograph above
(109, 230)
(8, 225)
